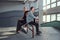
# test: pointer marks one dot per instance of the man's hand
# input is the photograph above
(36, 19)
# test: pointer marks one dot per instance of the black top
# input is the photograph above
(24, 17)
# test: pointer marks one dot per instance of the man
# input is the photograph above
(30, 17)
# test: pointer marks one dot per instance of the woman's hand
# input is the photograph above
(21, 18)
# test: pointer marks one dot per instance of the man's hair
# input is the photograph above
(31, 8)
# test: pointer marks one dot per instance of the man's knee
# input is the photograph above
(36, 24)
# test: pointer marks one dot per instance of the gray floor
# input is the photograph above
(48, 33)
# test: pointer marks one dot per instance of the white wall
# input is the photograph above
(9, 6)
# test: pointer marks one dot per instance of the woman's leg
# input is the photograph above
(19, 27)
(19, 24)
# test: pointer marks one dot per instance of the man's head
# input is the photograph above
(32, 9)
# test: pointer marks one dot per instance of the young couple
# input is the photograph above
(28, 18)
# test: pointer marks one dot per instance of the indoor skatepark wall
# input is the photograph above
(10, 13)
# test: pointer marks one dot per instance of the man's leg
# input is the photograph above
(37, 27)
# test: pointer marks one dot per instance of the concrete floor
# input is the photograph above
(48, 33)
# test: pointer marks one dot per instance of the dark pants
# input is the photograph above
(19, 24)
(36, 25)
(22, 22)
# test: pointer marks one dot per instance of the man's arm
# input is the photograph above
(32, 15)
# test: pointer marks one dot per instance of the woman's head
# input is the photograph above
(25, 9)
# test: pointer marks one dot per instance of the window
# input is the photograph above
(48, 18)
(48, 1)
(53, 5)
(53, 17)
(44, 18)
(58, 17)
(58, 0)
(53, 1)
(48, 6)
(44, 8)
(44, 2)
(58, 3)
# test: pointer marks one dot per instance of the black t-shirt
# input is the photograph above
(25, 13)
(24, 17)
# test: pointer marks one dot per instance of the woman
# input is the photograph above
(22, 22)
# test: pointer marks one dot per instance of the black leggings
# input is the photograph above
(22, 22)
(36, 25)
(19, 24)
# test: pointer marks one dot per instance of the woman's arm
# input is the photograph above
(21, 18)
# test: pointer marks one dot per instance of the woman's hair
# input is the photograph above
(25, 13)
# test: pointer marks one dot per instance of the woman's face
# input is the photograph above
(25, 9)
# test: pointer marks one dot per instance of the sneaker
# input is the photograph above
(38, 33)
(23, 31)
(17, 32)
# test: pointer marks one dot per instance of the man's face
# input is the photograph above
(33, 9)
